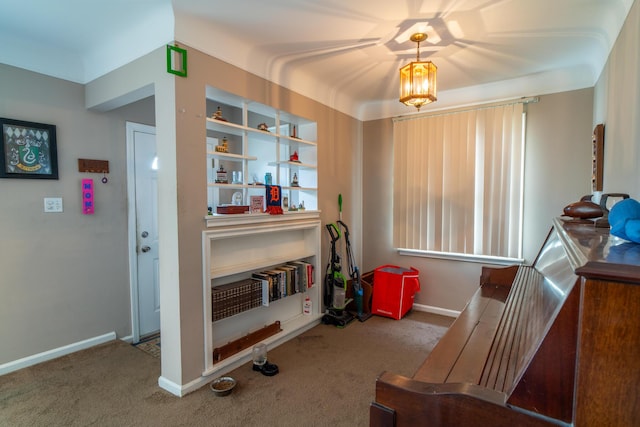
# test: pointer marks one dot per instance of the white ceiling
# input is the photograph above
(344, 53)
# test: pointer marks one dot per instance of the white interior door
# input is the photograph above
(145, 289)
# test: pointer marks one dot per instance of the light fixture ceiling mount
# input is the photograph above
(418, 38)
(418, 79)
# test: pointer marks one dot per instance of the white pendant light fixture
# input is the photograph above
(418, 79)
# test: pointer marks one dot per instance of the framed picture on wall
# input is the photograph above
(597, 157)
(28, 150)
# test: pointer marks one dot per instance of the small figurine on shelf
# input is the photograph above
(209, 210)
(264, 127)
(221, 176)
(294, 181)
(294, 134)
(301, 207)
(256, 181)
(223, 147)
(294, 157)
(218, 115)
(236, 199)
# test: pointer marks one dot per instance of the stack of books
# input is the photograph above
(236, 297)
(284, 280)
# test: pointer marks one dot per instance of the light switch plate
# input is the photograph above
(53, 204)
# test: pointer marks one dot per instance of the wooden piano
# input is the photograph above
(555, 343)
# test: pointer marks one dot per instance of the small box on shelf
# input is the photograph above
(232, 209)
(257, 204)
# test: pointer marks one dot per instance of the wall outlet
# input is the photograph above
(53, 204)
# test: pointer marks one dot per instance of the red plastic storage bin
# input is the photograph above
(393, 290)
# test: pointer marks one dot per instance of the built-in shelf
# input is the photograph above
(236, 246)
(230, 156)
(253, 152)
(294, 165)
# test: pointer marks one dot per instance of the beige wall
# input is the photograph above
(558, 161)
(617, 106)
(557, 172)
(64, 275)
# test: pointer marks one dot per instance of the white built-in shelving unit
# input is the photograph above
(253, 152)
(234, 246)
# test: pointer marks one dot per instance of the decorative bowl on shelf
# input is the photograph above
(222, 386)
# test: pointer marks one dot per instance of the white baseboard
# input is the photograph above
(182, 390)
(170, 386)
(208, 376)
(436, 310)
(55, 353)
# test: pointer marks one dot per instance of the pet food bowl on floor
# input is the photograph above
(222, 386)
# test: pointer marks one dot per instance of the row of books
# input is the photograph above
(262, 288)
(284, 280)
(236, 297)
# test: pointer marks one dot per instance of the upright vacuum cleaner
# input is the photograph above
(354, 273)
(335, 286)
(336, 283)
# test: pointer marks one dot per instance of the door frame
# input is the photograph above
(131, 128)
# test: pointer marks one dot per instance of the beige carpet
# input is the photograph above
(327, 378)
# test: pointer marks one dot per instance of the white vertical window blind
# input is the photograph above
(458, 182)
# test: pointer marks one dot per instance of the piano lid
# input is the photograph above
(596, 254)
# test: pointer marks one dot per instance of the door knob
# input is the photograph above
(145, 249)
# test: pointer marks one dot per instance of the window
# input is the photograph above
(458, 182)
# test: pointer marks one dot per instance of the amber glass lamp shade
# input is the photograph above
(418, 78)
(418, 83)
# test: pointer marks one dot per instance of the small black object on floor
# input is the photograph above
(339, 318)
(268, 369)
(363, 316)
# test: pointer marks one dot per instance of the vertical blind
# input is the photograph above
(458, 182)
